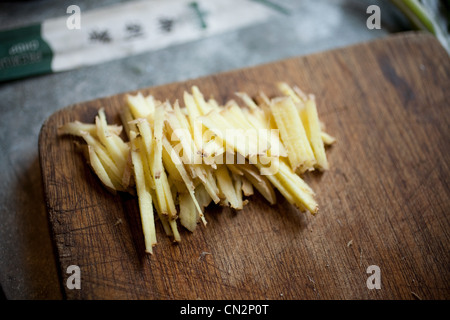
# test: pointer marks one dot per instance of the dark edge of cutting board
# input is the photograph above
(383, 202)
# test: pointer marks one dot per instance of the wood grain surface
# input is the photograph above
(384, 202)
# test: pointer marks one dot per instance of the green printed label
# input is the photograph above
(23, 53)
(68, 42)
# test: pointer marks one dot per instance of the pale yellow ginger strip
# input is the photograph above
(202, 105)
(76, 127)
(179, 166)
(164, 205)
(327, 139)
(226, 131)
(138, 106)
(310, 119)
(247, 187)
(193, 115)
(110, 166)
(288, 91)
(127, 118)
(159, 174)
(260, 182)
(111, 144)
(181, 132)
(144, 196)
(226, 186)
(188, 214)
(214, 104)
(99, 169)
(259, 121)
(237, 180)
(293, 134)
(206, 175)
(292, 187)
(247, 100)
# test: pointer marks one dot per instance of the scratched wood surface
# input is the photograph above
(384, 202)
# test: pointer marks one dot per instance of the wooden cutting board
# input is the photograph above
(384, 202)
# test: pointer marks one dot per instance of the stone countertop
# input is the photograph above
(27, 264)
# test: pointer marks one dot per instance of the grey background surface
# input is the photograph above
(27, 262)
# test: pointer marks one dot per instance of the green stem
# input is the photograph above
(417, 13)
